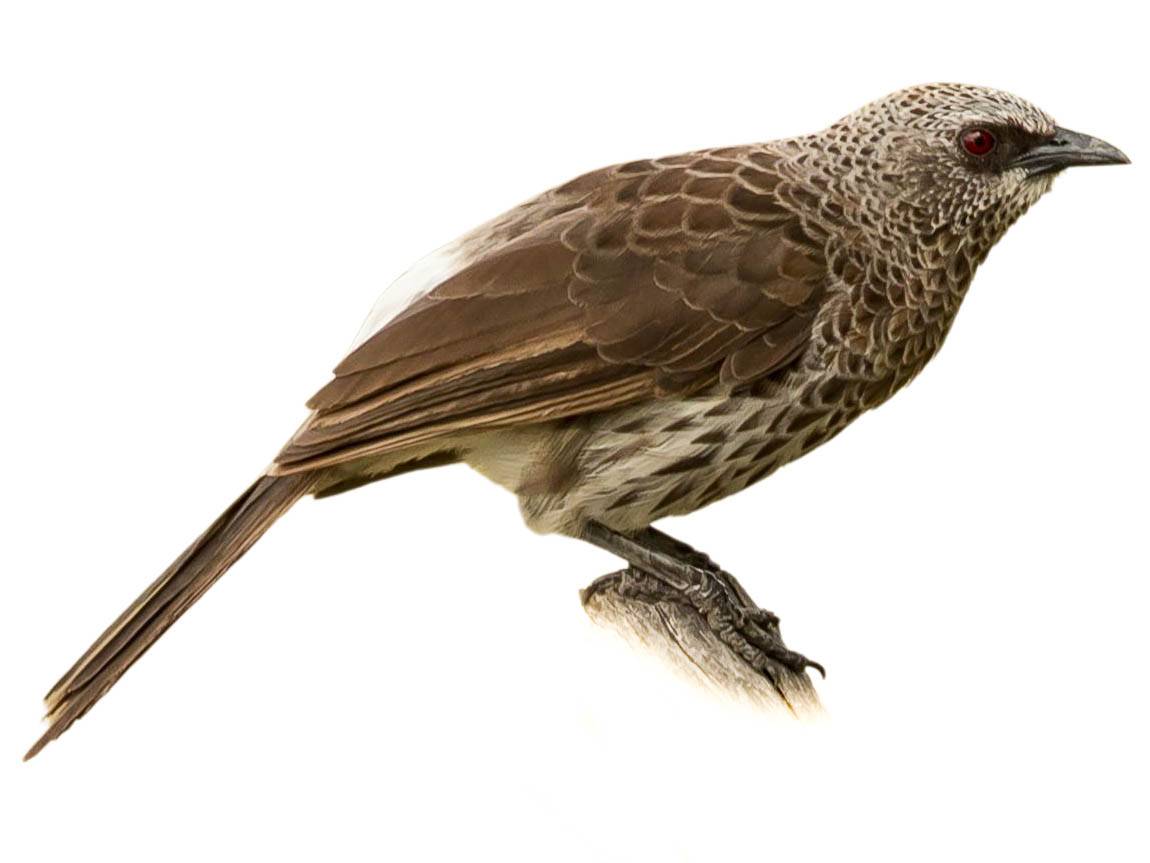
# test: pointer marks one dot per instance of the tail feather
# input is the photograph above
(173, 593)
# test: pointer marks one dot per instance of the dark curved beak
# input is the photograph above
(1065, 150)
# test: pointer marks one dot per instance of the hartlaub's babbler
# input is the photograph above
(651, 337)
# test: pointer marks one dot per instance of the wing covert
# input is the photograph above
(629, 283)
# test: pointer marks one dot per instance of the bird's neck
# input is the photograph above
(899, 264)
(886, 315)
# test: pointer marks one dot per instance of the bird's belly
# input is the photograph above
(632, 466)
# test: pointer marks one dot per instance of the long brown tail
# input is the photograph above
(173, 593)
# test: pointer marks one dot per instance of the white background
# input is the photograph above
(198, 204)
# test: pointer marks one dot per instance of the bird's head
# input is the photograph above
(956, 162)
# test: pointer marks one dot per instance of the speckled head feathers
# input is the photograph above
(903, 159)
(946, 107)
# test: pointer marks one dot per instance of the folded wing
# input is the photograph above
(626, 284)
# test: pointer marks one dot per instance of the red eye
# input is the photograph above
(978, 142)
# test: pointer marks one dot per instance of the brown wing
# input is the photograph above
(626, 284)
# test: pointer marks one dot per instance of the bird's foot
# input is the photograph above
(675, 594)
(752, 633)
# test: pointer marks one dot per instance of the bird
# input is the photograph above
(651, 337)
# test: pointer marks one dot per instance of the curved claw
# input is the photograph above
(771, 645)
(799, 664)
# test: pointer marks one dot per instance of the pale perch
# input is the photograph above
(682, 636)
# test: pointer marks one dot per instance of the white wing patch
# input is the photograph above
(428, 273)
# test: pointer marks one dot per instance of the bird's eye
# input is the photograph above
(978, 142)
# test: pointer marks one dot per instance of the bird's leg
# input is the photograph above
(662, 569)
